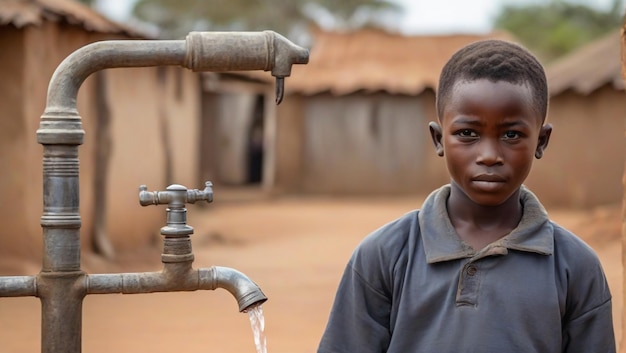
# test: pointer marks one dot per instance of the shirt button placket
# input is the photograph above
(467, 292)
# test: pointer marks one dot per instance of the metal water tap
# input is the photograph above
(177, 243)
(177, 257)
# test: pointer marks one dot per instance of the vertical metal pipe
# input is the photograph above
(61, 219)
(60, 286)
(61, 296)
(61, 304)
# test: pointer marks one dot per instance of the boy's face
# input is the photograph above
(489, 134)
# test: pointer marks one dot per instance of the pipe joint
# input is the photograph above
(60, 128)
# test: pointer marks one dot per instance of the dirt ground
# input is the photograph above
(294, 248)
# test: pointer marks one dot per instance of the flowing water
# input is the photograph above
(257, 321)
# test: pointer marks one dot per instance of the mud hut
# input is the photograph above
(583, 165)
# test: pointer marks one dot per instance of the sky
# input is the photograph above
(454, 16)
(420, 17)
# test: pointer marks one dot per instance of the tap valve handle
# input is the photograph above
(146, 197)
(201, 195)
(175, 195)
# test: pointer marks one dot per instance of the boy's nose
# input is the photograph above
(489, 153)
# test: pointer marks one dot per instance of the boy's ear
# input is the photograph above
(544, 138)
(436, 136)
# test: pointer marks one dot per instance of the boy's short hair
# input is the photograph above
(495, 60)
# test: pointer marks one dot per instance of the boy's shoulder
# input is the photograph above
(394, 231)
(386, 250)
(391, 239)
(569, 246)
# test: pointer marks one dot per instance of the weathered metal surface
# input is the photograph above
(180, 278)
(62, 285)
(18, 286)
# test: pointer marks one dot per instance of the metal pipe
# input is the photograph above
(18, 286)
(201, 51)
(246, 292)
(61, 285)
(61, 294)
(72, 72)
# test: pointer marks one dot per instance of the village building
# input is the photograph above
(584, 162)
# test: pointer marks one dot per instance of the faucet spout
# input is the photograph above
(287, 55)
(267, 50)
(247, 293)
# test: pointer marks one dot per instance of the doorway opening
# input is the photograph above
(256, 148)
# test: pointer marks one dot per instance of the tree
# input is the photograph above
(175, 18)
(558, 27)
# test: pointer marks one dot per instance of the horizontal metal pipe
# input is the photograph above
(246, 292)
(144, 282)
(200, 51)
(18, 286)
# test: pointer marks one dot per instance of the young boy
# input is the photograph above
(481, 267)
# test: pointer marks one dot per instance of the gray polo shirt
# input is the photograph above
(414, 286)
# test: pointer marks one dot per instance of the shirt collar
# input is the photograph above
(441, 242)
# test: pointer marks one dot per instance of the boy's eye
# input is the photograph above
(466, 133)
(512, 135)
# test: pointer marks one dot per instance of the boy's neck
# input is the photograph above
(479, 225)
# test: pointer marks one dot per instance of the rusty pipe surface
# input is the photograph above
(180, 278)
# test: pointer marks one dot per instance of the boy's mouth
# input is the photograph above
(488, 182)
(489, 178)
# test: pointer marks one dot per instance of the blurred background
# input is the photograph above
(296, 185)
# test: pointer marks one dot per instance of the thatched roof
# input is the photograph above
(21, 13)
(588, 68)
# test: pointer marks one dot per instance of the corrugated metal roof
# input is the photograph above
(20, 13)
(374, 60)
(588, 68)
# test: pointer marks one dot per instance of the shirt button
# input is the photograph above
(471, 270)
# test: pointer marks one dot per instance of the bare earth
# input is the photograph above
(294, 248)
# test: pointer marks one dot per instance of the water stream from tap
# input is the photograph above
(257, 321)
